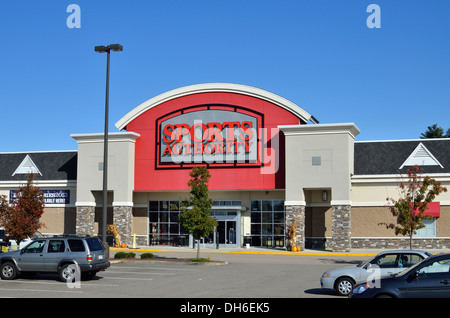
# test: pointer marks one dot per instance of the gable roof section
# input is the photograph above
(421, 156)
(27, 166)
(396, 157)
(60, 165)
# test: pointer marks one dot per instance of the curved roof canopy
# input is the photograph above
(215, 87)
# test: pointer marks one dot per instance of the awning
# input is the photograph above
(433, 209)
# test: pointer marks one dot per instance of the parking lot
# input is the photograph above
(243, 276)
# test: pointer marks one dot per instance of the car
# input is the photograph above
(13, 246)
(427, 279)
(385, 263)
(12, 243)
(63, 255)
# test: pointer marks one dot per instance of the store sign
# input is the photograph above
(50, 196)
(211, 136)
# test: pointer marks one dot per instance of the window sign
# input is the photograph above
(50, 196)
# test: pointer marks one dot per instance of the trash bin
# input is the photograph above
(182, 240)
(247, 241)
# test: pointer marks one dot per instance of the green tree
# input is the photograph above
(414, 197)
(195, 216)
(435, 132)
(22, 217)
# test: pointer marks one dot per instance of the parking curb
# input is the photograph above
(288, 253)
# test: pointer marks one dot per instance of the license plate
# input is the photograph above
(100, 257)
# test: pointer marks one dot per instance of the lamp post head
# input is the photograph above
(107, 49)
(116, 47)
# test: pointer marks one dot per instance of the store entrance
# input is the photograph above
(227, 233)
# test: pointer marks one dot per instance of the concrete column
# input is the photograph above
(122, 218)
(85, 220)
(341, 229)
(295, 215)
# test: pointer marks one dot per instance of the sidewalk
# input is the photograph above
(255, 250)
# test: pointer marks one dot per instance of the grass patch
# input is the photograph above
(201, 259)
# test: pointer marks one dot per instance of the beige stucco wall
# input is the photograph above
(365, 222)
(58, 220)
(120, 166)
(334, 144)
(370, 190)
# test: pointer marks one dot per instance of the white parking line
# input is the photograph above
(156, 268)
(127, 278)
(83, 283)
(139, 273)
(41, 290)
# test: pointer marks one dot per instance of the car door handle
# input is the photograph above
(445, 282)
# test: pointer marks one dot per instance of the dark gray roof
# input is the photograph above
(59, 165)
(386, 157)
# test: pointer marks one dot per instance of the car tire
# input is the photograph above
(344, 286)
(67, 273)
(8, 271)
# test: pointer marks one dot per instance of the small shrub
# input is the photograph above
(146, 255)
(124, 255)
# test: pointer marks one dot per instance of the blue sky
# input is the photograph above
(392, 82)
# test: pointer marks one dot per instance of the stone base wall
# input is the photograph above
(296, 214)
(382, 243)
(85, 220)
(123, 217)
(401, 243)
(341, 229)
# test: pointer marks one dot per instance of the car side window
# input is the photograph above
(76, 245)
(436, 268)
(408, 260)
(385, 261)
(35, 247)
(56, 246)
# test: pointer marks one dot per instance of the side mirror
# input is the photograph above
(367, 266)
(413, 275)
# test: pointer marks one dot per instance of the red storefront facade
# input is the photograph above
(239, 163)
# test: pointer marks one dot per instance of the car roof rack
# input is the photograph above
(70, 235)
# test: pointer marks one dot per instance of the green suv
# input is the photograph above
(65, 255)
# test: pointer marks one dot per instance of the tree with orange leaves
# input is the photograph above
(410, 207)
(21, 218)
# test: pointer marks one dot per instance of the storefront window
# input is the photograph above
(267, 223)
(429, 230)
(164, 226)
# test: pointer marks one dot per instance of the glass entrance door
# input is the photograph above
(227, 233)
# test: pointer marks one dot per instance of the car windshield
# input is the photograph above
(36, 235)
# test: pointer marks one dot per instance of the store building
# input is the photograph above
(270, 162)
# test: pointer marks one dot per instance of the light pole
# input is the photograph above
(106, 49)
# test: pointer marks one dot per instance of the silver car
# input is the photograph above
(384, 264)
(62, 255)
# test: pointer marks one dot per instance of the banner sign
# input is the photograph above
(50, 196)
(209, 136)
